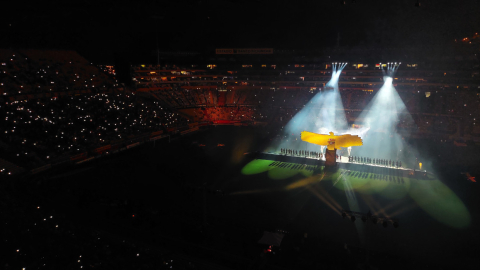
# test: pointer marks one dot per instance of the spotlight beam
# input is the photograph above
(323, 113)
(325, 201)
(379, 120)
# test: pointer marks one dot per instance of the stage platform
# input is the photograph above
(344, 164)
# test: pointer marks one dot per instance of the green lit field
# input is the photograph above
(430, 194)
(438, 213)
(436, 216)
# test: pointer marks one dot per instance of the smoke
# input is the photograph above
(322, 114)
(379, 122)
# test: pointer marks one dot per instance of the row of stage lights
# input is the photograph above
(388, 63)
(375, 219)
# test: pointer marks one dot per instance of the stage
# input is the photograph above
(344, 164)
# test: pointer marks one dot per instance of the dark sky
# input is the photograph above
(99, 28)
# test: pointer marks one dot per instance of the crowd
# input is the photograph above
(215, 114)
(185, 98)
(37, 234)
(32, 72)
(375, 161)
(302, 153)
(354, 159)
(36, 131)
(56, 104)
(451, 93)
(442, 113)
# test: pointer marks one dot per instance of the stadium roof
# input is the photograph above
(97, 29)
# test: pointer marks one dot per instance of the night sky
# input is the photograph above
(100, 28)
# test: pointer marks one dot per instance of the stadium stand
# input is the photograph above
(58, 106)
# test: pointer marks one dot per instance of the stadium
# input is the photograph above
(253, 134)
(202, 165)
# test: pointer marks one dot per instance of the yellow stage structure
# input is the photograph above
(333, 142)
